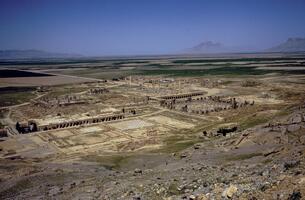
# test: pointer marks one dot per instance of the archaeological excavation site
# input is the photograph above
(162, 129)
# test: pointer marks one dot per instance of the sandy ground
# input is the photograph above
(131, 124)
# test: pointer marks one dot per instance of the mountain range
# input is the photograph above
(291, 45)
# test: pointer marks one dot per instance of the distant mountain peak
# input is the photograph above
(207, 47)
(291, 45)
(296, 39)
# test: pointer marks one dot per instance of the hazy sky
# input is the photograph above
(93, 27)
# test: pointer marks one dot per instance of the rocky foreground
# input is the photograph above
(264, 162)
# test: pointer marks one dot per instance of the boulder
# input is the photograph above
(136, 197)
(138, 171)
(230, 191)
(296, 119)
(293, 127)
(291, 164)
(183, 155)
(302, 180)
(302, 139)
(296, 195)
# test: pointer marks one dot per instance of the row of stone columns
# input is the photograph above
(80, 122)
(181, 96)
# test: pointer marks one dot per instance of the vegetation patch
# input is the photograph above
(16, 89)
(231, 71)
(254, 121)
(173, 189)
(186, 61)
(173, 144)
(58, 91)
(243, 156)
(268, 160)
(109, 162)
(9, 99)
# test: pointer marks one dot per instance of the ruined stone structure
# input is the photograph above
(98, 91)
(203, 105)
(3, 133)
(181, 96)
(60, 101)
(209, 83)
(26, 127)
(80, 122)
